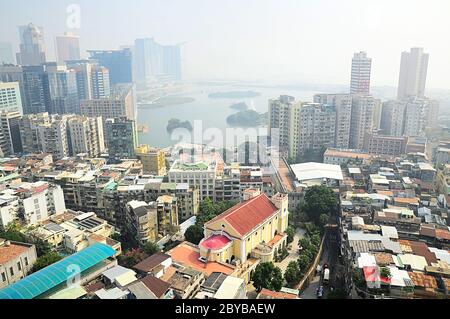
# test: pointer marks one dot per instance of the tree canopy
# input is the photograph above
(268, 276)
(208, 210)
(319, 200)
(46, 260)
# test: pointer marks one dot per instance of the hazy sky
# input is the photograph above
(279, 40)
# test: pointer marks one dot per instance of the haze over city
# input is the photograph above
(224, 150)
(273, 41)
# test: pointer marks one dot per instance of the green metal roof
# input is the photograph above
(52, 276)
(9, 177)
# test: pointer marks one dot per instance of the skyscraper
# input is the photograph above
(34, 89)
(413, 73)
(118, 62)
(62, 96)
(92, 80)
(361, 68)
(10, 99)
(6, 53)
(32, 45)
(147, 59)
(67, 47)
(172, 62)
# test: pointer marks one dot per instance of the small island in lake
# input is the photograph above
(242, 106)
(247, 118)
(166, 101)
(234, 95)
(173, 124)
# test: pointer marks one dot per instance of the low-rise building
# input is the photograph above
(16, 261)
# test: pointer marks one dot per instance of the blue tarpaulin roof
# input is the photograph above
(50, 277)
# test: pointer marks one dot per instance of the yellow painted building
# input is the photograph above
(153, 160)
(254, 228)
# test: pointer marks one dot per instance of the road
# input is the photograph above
(310, 291)
(330, 257)
(293, 251)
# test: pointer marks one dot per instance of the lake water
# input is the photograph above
(213, 112)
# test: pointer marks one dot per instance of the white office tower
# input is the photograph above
(10, 99)
(361, 68)
(413, 74)
(362, 120)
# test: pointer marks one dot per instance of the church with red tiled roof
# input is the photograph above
(254, 228)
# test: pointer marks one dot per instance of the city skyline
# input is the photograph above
(213, 42)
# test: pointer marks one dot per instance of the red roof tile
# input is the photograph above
(247, 215)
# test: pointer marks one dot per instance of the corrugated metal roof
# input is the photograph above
(50, 277)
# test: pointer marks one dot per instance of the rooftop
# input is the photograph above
(56, 274)
(244, 217)
(310, 171)
(188, 255)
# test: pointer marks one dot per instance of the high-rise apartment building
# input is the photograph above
(52, 137)
(86, 136)
(67, 47)
(420, 113)
(343, 106)
(413, 73)
(315, 128)
(281, 113)
(360, 78)
(121, 138)
(118, 62)
(361, 121)
(32, 45)
(392, 118)
(10, 142)
(28, 125)
(121, 103)
(10, 99)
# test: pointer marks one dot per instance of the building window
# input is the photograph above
(3, 276)
(19, 266)
(11, 271)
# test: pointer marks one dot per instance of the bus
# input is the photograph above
(326, 276)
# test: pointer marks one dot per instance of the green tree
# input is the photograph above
(132, 257)
(292, 274)
(303, 263)
(385, 272)
(290, 231)
(46, 260)
(194, 234)
(323, 220)
(151, 248)
(319, 200)
(268, 276)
